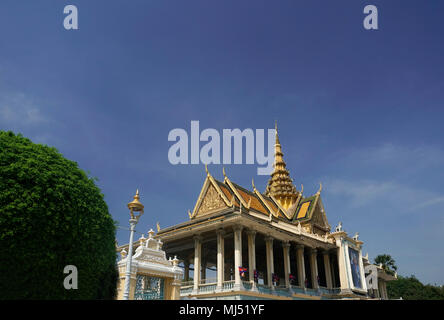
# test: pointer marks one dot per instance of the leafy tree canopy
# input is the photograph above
(410, 288)
(51, 215)
(387, 262)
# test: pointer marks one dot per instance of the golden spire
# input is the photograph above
(280, 184)
(277, 136)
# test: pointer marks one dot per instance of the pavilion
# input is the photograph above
(244, 244)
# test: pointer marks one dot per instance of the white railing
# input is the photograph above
(228, 285)
(207, 287)
(186, 290)
(248, 285)
(210, 286)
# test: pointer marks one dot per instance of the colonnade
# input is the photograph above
(299, 250)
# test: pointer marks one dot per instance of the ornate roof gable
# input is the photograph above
(212, 198)
(311, 210)
(319, 218)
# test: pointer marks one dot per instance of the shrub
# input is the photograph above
(51, 215)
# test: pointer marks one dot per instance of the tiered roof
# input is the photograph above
(280, 183)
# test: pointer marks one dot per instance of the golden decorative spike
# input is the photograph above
(280, 185)
(276, 131)
(223, 171)
(233, 200)
(302, 188)
(189, 214)
(206, 169)
(158, 226)
(320, 188)
(252, 182)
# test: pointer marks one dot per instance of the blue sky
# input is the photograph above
(359, 110)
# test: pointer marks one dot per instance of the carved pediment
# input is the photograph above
(319, 219)
(212, 201)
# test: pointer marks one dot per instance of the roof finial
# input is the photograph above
(223, 171)
(339, 227)
(276, 131)
(320, 188)
(206, 169)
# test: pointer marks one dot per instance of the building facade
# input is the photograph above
(244, 244)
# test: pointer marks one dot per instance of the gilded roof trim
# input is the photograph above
(285, 213)
(209, 180)
(236, 192)
(272, 213)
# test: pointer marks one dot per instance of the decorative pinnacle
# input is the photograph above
(136, 205)
(276, 132)
(320, 188)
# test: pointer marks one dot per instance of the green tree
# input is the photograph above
(387, 262)
(410, 288)
(51, 215)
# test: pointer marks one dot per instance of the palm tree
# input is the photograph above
(387, 263)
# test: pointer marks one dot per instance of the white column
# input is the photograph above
(220, 258)
(362, 271)
(197, 254)
(251, 255)
(287, 270)
(129, 257)
(327, 268)
(237, 256)
(301, 264)
(342, 265)
(270, 263)
(314, 269)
